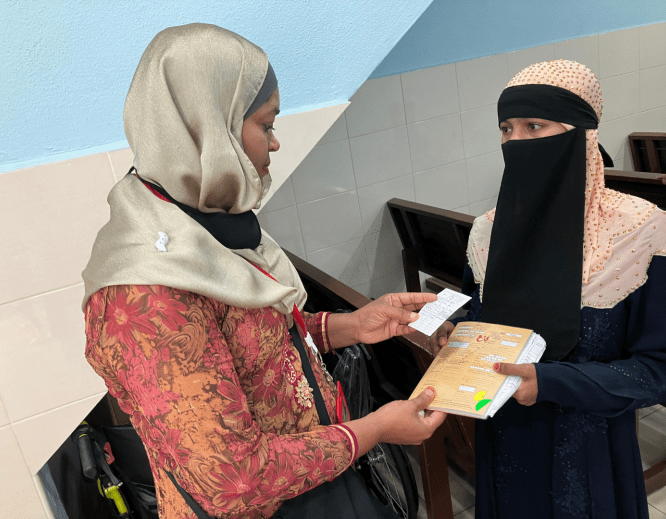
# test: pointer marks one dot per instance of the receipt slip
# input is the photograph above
(433, 315)
(462, 372)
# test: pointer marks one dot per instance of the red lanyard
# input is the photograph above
(298, 317)
(341, 409)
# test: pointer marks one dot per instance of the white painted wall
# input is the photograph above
(67, 66)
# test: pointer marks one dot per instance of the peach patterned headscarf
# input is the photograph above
(622, 232)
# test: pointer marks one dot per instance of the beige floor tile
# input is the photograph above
(37, 447)
(18, 496)
(463, 493)
(42, 352)
(652, 438)
(645, 411)
(121, 162)
(656, 514)
(658, 499)
(466, 514)
(50, 215)
(4, 419)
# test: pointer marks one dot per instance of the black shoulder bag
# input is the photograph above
(346, 496)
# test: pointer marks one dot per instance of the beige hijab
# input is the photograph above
(183, 119)
(622, 232)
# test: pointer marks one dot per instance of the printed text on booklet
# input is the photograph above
(462, 373)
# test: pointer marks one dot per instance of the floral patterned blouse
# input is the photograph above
(218, 396)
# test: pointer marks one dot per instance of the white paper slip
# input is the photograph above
(432, 315)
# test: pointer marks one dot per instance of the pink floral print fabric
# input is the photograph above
(218, 396)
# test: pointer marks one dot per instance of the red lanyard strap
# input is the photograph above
(298, 317)
(342, 411)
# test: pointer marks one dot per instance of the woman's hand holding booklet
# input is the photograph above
(463, 372)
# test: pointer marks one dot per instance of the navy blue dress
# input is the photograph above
(574, 454)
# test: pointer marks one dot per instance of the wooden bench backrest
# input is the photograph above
(434, 241)
(650, 186)
(397, 365)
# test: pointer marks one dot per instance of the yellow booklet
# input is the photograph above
(462, 372)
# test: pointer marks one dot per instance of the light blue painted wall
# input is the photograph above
(65, 66)
(456, 30)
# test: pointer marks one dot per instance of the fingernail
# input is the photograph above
(414, 316)
(496, 366)
(429, 392)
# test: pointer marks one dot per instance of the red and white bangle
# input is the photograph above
(324, 332)
(352, 440)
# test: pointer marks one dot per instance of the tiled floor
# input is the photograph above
(652, 441)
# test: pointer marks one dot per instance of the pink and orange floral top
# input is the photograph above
(218, 395)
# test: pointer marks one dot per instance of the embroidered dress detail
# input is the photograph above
(302, 390)
(583, 425)
(304, 393)
(300, 322)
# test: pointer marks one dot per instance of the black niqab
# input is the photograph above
(535, 258)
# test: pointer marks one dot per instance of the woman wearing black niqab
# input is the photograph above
(585, 267)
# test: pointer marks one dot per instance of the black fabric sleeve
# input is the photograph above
(635, 381)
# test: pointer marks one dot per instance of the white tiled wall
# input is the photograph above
(428, 136)
(49, 217)
(431, 136)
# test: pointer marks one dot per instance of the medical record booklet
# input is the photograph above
(462, 372)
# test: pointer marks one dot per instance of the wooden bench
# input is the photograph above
(435, 242)
(648, 151)
(397, 366)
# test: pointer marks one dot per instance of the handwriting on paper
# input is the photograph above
(432, 315)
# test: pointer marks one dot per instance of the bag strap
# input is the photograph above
(198, 511)
(324, 418)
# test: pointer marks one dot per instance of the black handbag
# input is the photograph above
(346, 496)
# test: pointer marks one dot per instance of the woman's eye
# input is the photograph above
(505, 129)
(268, 127)
(535, 126)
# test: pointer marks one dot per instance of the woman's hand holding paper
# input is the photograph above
(440, 338)
(527, 392)
(383, 318)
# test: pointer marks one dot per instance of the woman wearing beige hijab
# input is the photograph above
(585, 267)
(189, 305)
